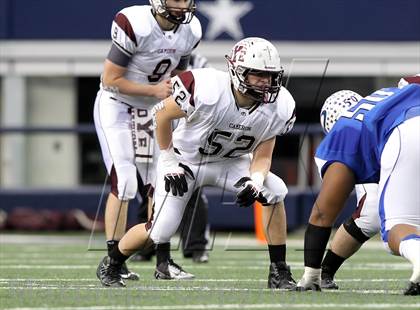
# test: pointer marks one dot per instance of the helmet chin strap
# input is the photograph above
(242, 100)
(164, 23)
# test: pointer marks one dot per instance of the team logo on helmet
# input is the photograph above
(335, 105)
(255, 56)
(173, 14)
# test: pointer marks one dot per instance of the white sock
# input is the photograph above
(410, 249)
(312, 274)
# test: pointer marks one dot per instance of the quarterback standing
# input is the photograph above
(149, 43)
(224, 118)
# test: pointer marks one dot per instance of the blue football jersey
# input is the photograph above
(360, 134)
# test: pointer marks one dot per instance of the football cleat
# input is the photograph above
(200, 257)
(109, 273)
(413, 289)
(169, 270)
(127, 274)
(327, 282)
(280, 277)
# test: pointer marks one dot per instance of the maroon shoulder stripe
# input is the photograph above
(187, 78)
(123, 22)
(413, 79)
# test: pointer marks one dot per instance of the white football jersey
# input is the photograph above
(215, 127)
(154, 53)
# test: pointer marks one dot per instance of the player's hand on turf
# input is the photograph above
(249, 193)
(163, 89)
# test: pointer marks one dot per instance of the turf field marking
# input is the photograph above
(95, 287)
(5, 280)
(225, 240)
(296, 265)
(233, 306)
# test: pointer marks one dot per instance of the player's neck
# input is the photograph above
(164, 24)
(243, 101)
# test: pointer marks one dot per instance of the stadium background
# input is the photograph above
(51, 55)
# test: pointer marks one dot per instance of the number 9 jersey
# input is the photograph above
(215, 127)
(153, 52)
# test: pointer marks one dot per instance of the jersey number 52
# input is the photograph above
(215, 148)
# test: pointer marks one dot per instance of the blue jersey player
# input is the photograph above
(372, 140)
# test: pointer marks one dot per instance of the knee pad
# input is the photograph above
(159, 235)
(274, 189)
(351, 227)
(126, 182)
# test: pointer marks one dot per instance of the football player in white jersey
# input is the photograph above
(224, 118)
(194, 227)
(149, 44)
(364, 222)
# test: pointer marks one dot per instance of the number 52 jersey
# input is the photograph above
(216, 128)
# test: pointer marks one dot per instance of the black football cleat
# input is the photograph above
(413, 289)
(108, 273)
(280, 277)
(169, 270)
(127, 274)
(327, 282)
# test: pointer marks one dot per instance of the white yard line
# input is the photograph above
(295, 265)
(234, 306)
(96, 287)
(253, 263)
(5, 280)
(228, 241)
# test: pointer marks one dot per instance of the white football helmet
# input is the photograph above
(256, 56)
(335, 105)
(160, 7)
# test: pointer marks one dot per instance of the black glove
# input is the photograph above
(174, 173)
(250, 192)
(177, 181)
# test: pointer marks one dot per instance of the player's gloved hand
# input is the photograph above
(174, 173)
(250, 190)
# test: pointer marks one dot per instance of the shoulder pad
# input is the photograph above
(140, 18)
(195, 26)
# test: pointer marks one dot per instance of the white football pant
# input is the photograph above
(169, 209)
(399, 185)
(113, 126)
